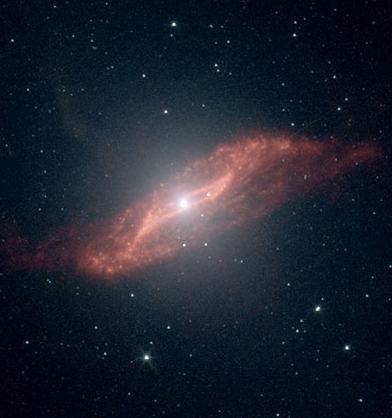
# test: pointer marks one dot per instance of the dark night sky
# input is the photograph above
(287, 317)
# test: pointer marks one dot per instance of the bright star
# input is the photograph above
(146, 358)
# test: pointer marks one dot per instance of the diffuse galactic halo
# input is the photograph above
(235, 185)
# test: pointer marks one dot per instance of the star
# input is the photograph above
(146, 358)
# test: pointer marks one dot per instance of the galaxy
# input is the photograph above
(236, 184)
(195, 209)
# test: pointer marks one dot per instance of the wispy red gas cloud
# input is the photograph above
(235, 185)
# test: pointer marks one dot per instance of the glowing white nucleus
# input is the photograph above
(183, 203)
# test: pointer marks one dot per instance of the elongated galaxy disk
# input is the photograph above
(237, 184)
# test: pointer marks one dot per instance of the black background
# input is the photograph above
(233, 330)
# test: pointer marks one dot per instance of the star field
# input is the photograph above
(195, 209)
